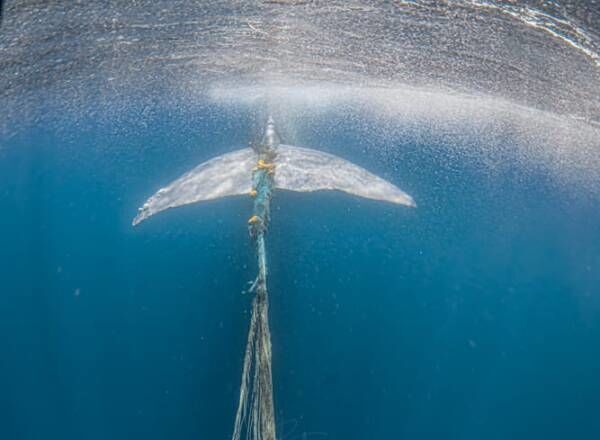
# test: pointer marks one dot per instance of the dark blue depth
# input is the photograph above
(474, 316)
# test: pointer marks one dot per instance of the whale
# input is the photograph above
(295, 168)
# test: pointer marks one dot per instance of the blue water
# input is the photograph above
(476, 315)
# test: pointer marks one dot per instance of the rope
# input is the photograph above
(255, 417)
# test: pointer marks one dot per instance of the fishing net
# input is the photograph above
(255, 417)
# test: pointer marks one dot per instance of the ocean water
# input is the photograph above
(475, 315)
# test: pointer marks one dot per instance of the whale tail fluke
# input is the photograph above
(296, 169)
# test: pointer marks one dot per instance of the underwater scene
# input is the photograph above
(299, 219)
